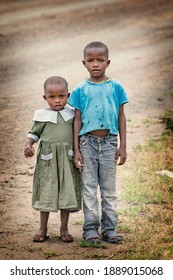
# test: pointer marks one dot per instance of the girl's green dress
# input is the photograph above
(56, 183)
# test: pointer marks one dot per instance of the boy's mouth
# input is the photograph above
(95, 70)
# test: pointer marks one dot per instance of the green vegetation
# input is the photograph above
(149, 219)
(85, 244)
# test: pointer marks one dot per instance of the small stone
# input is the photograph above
(165, 173)
(30, 172)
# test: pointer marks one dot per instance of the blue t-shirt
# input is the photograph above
(99, 104)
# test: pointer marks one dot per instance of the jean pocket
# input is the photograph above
(83, 141)
(113, 142)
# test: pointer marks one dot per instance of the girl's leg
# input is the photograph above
(64, 222)
(42, 233)
(64, 234)
(44, 216)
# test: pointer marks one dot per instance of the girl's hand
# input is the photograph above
(121, 155)
(78, 161)
(29, 150)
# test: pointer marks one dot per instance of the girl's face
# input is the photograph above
(96, 62)
(56, 96)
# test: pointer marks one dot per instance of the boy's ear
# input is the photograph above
(83, 61)
(108, 62)
(44, 96)
(68, 94)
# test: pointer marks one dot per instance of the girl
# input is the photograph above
(56, 183)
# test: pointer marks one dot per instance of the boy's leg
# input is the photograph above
(64, 234)
(107, 182)
(42, 234)
(89, 179)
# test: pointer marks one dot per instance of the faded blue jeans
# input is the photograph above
(99, 170)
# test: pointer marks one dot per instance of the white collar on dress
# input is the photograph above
(67, 113)
(49, 115)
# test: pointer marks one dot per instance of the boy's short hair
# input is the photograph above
(55, 80)
(97, 44)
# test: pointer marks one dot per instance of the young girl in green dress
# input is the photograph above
(56, 183)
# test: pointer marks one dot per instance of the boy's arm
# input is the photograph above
(29, 149)
(78, 160)
(121, 153)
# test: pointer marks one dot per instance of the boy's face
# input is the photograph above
(56, 96)
(96, 62)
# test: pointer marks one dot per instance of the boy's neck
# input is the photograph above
(98, 79)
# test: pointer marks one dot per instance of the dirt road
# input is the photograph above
(39, 39)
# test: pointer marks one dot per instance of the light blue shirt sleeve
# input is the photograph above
(122, 97)
(74, 99)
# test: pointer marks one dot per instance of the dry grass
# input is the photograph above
(149, 219)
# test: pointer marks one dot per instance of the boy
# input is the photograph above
(99, 117)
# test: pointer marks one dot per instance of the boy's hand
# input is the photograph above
(121, 155)
(29, 150)
(78, 161)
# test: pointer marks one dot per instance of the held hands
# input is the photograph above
(121, 155)
(29, 150)
(78, 161)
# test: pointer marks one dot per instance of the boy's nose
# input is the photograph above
(95, 63)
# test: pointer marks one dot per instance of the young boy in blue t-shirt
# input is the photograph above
(99, 118)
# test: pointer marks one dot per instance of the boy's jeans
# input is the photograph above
(99, 169)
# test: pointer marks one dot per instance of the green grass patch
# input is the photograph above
(95, 255)
(78, 223)
(49, 254)
(86, 244)
(30, 248)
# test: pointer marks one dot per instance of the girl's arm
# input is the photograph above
(29, 149)
(78, 160)
(121, 153)
(33, 137)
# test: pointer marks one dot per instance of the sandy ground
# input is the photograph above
(39, 39)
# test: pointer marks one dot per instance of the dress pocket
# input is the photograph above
(70, 154)
(46, 157)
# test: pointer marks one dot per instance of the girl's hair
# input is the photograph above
(55, 80)
(96, 44)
